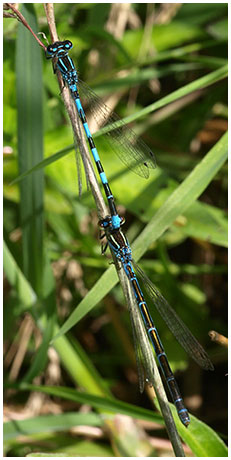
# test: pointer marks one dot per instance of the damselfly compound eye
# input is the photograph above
(68, 44)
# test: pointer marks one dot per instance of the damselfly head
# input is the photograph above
(109, 223)
(58, 49)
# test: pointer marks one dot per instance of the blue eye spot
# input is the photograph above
(67, 44)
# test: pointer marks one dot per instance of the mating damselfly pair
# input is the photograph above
(140, 158)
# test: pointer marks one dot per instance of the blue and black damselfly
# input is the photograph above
(137, 155)
(131, 150)
(122, 251)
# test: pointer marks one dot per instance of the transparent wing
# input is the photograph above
(78, 166)
(142, 353)
(131, 150)
(79, 155)
(138, 353)
(175, 324)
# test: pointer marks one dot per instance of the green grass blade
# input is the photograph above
(102, 403)
(46, 315)
(49, 423)
(186, 194)
(29, 301)
(201, 83)
(17, 279)
(79, 366)
(30, 146)
(203, 441)
(42, 164)
(73, 357)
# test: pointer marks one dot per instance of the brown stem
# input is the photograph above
(77, 129)
(49, 10)
(21, 18)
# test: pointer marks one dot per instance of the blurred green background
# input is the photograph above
(133, 56)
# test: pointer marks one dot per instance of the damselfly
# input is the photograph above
(131, 150)
(122, 251)
(139, 157)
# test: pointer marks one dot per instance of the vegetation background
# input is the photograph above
(133, 56)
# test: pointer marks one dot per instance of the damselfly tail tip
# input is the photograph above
(184, 417)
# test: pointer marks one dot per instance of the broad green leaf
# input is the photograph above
(202, 439)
